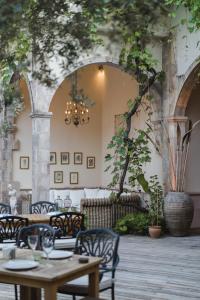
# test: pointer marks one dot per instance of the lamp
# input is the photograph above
(77, 109)
(101, 69)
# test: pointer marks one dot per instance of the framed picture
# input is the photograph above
(90, 162)
(73, 177)
(78, 158)
(24, 162)
(52, 158)
(58, 176)
(64, 158)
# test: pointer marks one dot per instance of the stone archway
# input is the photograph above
(191, 77)
(183, 108)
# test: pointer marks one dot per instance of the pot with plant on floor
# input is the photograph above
(178, 207)
(155, 207)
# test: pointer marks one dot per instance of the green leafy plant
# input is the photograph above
(156, 201)
(136, 223)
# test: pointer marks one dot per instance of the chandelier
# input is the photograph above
(77, 109)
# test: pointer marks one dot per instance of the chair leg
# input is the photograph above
(16, 295)
(113, 293)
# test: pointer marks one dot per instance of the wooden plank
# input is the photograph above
(163, 269)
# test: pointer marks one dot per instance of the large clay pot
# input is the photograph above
(178, 213)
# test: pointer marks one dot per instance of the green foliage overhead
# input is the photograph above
(38, 30)
(193, 6)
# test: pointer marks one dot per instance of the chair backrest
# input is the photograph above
(5, 208)
(43, 207)
(68, 223)
(101, 243)
(42, 230)
(10, 226)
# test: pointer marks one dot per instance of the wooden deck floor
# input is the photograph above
(167, 268)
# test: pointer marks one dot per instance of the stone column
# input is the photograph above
(168, 103)
(8, 131)
(40, 156)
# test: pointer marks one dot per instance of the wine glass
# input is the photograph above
(32, 242)
(47, 246)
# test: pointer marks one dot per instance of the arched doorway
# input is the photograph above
(188, 105)
(110, 91)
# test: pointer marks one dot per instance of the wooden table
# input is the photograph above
(36, 218)
(50, 276)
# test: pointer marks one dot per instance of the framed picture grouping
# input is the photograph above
(73, 177)
(24, 162)
(64, 158)
(78, 158)
(52, 158)
(90, 162)
(58, 176)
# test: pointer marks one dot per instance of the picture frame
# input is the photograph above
(64, 158)
(90, 162)
(78, 158)
(24, 162)
(52, 158)
(73, 177)
(58, 176)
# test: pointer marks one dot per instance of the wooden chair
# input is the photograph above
(5, 208)
(42, 230)
(67, 225)
(43, 207)
(9, 229)
(96, 242)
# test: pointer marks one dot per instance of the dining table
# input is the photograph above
(37, 218)
(49, 275)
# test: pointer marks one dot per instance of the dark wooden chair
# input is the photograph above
(5, 208)
(101, 243)
(43, 207)
(67, 226)
(42, 230)
(9, 229)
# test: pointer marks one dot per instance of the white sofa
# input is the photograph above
(63, 196)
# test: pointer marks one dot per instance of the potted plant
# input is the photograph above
(178, 207)
(155, 207)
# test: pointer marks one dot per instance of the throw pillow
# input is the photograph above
(91, 193)
(76, 197)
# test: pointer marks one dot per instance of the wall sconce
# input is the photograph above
(101, 69)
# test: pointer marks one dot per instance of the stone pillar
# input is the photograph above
(168, 103)
(40, 156)
(8, 131)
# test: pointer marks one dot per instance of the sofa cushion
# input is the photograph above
(104, 193)
(76, 196)
(61, 193)
(91, 193)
